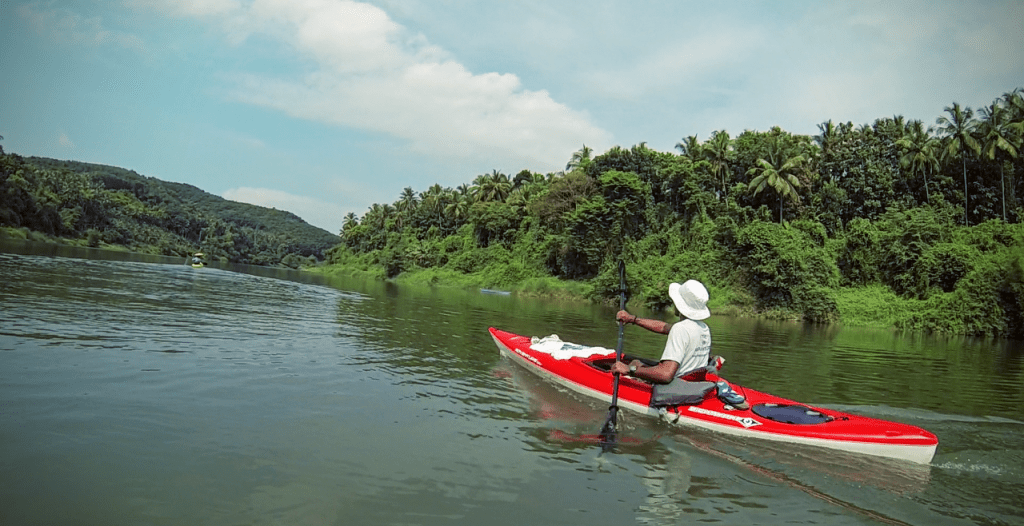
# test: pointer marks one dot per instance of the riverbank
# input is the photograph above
(26, 234)
(872, 306)
(549, 288)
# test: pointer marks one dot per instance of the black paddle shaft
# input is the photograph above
(610, 428)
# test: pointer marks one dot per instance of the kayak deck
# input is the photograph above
(585, 370)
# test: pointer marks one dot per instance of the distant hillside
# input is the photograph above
(100, 204)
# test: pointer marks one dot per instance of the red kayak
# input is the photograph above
(586, 370)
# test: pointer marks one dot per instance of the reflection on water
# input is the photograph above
(139, 392)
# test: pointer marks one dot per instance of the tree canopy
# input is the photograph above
(778, 221)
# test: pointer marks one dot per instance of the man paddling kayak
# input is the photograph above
(689, 342)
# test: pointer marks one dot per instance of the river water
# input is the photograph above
(148, 392)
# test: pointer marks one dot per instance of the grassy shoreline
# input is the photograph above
(873, 306)
(24, 234)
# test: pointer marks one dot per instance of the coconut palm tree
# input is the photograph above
(899, 124)
(457, 207)
(374, 217)
(464, 189)
(957, 130)
(349, 222)
(828, 138)
(717, 151)
(493, 187)
(999, 134)
(432, 203)
(689, 147)
(921, 152)
(579, 158)
(407, 201)
(1014, 101)
(405, 205)
(780, 176)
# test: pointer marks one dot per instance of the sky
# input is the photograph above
(325, 107)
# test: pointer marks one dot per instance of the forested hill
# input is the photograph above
(106, 205)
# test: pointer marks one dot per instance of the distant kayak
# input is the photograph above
(492, 291)
(586, 370)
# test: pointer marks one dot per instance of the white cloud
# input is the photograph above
(370, 73)
(67, 27)
(315, 212)
(194, 8)
(684, 65)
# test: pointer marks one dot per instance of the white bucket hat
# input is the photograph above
(691, 298)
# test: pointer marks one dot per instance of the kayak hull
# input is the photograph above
(847, 432)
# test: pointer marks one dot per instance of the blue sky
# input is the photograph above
(324, 107)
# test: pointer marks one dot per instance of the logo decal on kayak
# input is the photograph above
(745, 421)
(527, 356)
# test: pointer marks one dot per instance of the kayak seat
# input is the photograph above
(680, 392)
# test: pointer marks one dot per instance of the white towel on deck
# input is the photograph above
(560, 350)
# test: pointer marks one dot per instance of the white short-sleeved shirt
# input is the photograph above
(689, 345)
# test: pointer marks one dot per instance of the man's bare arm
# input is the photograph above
(658, 326)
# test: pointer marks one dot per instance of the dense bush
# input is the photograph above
(787, 268)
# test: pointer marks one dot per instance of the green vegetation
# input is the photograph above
(890, 224)
(893, 224)
(97, 205)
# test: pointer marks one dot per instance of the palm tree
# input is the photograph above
(899, 124)
(479, 183)
(717, 151)
(350, 222)
(689, 147)
(958, 131)
(920, 152)
(998, 133)
(828, 137)
(374, 217)
(432, 202)
(407, 201)
(781, 177)
(406, 204)
(493, 187)
(457, 208)
(579, 158)
(1014, 101)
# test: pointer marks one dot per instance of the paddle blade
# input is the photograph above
(610, 429)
